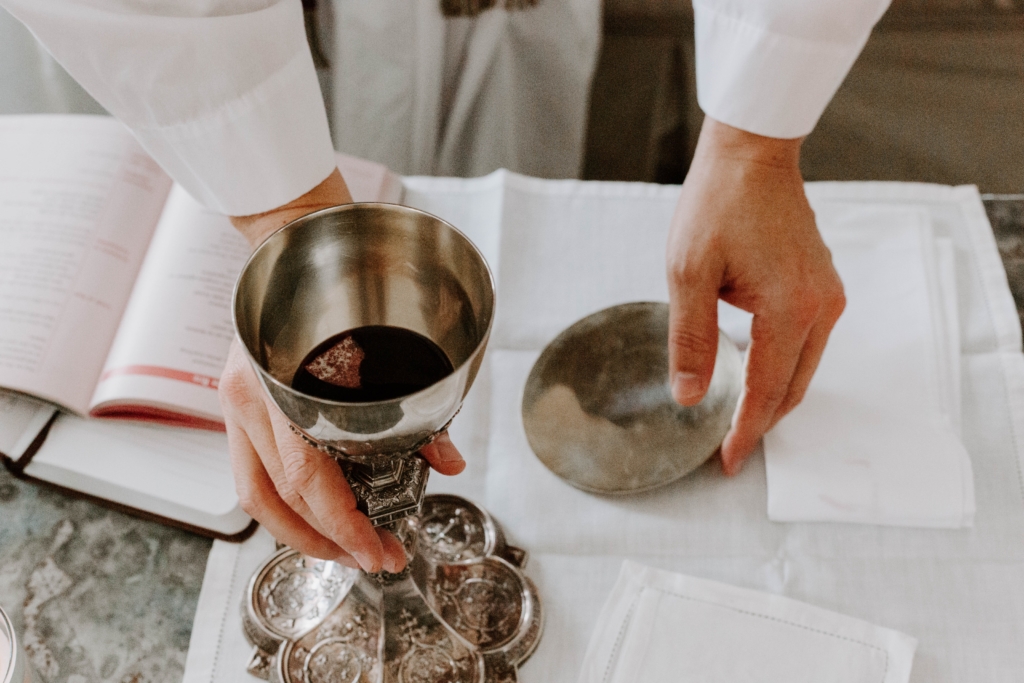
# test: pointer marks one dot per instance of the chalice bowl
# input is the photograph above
(462, 610)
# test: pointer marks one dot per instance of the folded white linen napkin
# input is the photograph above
(661, 627)
(876, 438)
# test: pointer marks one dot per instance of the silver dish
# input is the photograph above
(598, 409)
(463, 612)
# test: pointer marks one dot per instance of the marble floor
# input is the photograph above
(97, 595)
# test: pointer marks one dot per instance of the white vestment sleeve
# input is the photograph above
(771, 66)
(222, 93)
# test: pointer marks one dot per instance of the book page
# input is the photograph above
(177, 473)
(173, 341)
(79, 199)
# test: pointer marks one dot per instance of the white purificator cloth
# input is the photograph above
(570, 248)
(660, 627)
(876, 438)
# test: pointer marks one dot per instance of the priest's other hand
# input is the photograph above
(297, 492)
(744, 232)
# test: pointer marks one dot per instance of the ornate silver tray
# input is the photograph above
(462, 611)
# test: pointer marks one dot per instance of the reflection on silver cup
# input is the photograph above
(13, 667)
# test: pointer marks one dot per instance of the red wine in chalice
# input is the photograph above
(371, 363)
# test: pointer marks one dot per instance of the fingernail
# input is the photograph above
(687, 388)
(732, 467)
(393, 565)
(448, 455)
(444, 450)
(368, 563)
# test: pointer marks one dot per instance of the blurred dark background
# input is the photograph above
(936, 96)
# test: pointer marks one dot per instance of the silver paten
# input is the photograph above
(598, 410)
(367, 264)
(462, 612)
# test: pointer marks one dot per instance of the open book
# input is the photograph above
(116, 286)
(115, 292)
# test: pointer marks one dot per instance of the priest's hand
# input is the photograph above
(297, 492)
(744, 232)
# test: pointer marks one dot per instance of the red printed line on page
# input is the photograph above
(166, 373)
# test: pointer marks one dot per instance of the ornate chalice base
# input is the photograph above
(387, 488)
(463, 611)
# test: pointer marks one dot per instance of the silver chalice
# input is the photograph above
(462, 610)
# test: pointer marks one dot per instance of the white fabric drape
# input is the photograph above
(31, 81)
(428, 95)
(224, 95)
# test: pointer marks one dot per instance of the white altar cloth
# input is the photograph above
(960, 593)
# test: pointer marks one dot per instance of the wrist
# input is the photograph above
(332, 191)
(720, 141)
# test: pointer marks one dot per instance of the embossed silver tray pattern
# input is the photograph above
(463, 611)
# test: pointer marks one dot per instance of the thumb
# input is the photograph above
(692, 338)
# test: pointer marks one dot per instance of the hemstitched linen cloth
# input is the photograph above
(959, 592)
(660, 627)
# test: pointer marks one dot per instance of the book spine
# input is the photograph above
(17, 465)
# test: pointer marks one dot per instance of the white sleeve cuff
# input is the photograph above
(224, 95)
(253, 153)
(755, 76)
